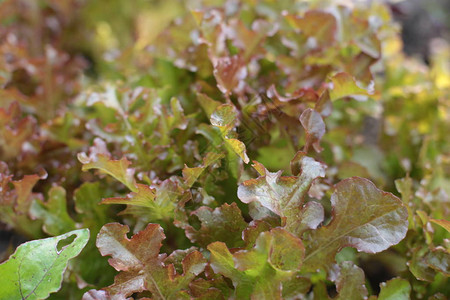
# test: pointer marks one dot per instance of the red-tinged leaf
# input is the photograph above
(364, 217)
(310, 216)
(15, 203)
(223, 224)
(23, 190)
(130, 254)
(125, 284)
(251, 233)
(282, 195)
(316, 24)
(296, 163)
(14, 131)
(249, 41)
(350, 281)
(165, 283)
(345, 85)
(419, 267)
(115, 168)
(230, 73)
(443, 223)
(303, 94)
(216, 288)
(96, 295)
(143, 268)
(315, 128)
(395, 289)
(260, 272)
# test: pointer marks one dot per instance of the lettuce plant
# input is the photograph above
(222, 150)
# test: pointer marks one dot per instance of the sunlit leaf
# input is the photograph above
(36, 268)
(345, 85)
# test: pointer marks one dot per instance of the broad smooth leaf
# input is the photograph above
(36, 268)
(364, 217)
(395, 289)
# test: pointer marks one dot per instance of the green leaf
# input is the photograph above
(53, 212)
(239, 148)
(36, 268)
(190, 175)
(364, 217)
(115, 168)
(443, 223)
(209, 105)
(395, 289)
(350, 281)
(144, 196)
(223, 224)
(259, 272)
(224, 117)
(344, 85)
